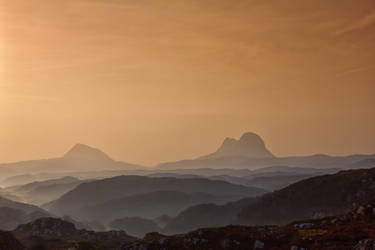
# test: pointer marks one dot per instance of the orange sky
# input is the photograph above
(150, 81)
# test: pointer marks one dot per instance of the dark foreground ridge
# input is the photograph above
(354, 230)
(8, 242)
(53, 233)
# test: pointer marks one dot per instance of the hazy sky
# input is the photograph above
(149, 81)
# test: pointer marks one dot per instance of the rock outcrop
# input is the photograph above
(54, 233)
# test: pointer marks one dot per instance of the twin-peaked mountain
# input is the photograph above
(250, 145)
(250, 152)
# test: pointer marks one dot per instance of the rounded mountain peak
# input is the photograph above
(82, 151)
(252, 138)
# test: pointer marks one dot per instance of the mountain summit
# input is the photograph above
(249, 145)
(84, 152)
(80, 158)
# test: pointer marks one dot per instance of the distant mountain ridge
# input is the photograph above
(250, 152)
(79, 158)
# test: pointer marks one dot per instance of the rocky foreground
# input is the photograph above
(57, 234)
(353, 230)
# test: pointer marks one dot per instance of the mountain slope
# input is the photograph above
(14, 213)
(81, 151)
(312, 198)
(276, 182)
(148, 205)
(41, 192)
(206, 215)
(100, 191)
(10, 218)
(37, 184)
(18, 205)
(15, 180)
(272, 178)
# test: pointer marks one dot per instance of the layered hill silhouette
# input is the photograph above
(14, 213)
(10, 218)
(312, 198)
(205, 215)
(149, 205)
(250, 152)
(78, 159)
(122, 191)
(352, 230)
(19, 205)
(315, 197)
(41, 192)
(270, 178)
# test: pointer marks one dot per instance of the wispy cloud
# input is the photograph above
(355, 70)
(359, 24)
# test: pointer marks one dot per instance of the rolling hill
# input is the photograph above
(312, 198)
(148, 205)
(41, 192)
(101, 191)
(14, 213)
